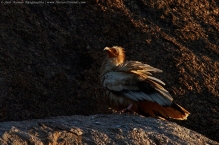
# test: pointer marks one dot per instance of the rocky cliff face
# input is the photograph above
(99, 129)
(50, 55)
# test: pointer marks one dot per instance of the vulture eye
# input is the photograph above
(114, 50)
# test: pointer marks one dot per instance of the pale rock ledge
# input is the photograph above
(98, 129)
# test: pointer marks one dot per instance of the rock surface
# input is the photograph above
(98, 129)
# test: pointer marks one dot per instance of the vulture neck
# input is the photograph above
(110, 63)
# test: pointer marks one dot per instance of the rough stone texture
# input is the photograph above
(50, 55)
(99, 129)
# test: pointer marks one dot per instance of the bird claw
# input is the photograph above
(127, 110)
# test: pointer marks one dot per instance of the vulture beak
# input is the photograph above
(106, 49)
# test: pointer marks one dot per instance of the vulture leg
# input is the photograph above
(128, 109)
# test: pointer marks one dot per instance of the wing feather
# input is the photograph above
(133, 80)
(136, 65)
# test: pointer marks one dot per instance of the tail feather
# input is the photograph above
(153, 109)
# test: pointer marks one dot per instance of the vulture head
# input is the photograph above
(115, 54)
